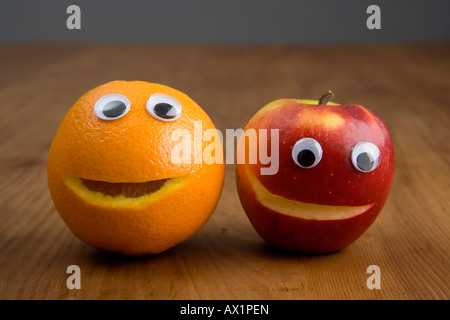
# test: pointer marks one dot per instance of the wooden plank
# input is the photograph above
(408, 86)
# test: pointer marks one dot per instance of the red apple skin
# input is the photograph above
(333, 181)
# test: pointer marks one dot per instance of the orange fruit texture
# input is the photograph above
(112, 179)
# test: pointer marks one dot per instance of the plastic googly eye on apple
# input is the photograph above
(112, 106)
(164, 107)
(307, 153)
(365, 156)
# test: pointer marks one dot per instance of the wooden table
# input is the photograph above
(407, 86)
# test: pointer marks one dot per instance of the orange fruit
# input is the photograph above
(111, 173)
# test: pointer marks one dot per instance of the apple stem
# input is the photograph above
(326, 97)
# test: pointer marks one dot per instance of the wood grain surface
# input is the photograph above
(407, 86)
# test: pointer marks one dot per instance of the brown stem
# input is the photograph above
(326, 97)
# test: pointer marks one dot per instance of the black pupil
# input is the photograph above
(365, 161)
(165, 110)
(306, 158)
(114, 109)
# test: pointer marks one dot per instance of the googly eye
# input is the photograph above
(365, 156)
(163, 107)
(112, 106)
(307, 153)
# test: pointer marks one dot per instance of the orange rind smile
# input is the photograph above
(122, 194)
(309, 211)
(127, 189)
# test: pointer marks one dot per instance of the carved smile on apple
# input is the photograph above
(336, 166)
(300, 209)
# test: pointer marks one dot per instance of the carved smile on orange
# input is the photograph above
(122, 193)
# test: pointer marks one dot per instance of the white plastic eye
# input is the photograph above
(365, 156)
(112, 106)
(164, 107)
(307, 153)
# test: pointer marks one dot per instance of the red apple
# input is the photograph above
(336, 165)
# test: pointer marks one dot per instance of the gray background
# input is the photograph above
(224, 21)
